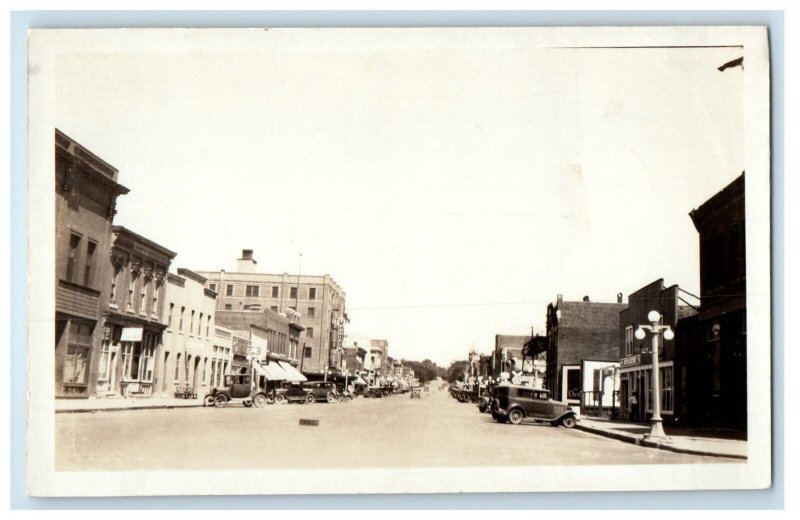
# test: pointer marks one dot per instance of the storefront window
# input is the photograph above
(104, 353)
(667, 389)
(77, 358)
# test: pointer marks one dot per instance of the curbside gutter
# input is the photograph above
(641, 441)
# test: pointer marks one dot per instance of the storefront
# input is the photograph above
(636, 377)
(126, 364)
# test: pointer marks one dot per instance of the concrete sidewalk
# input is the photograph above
(635, 434)
(107, 404)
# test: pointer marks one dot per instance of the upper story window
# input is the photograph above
(312, 312)
(169, 317)
(180, 323)
(191, 322)
(312, 293)
(251, 291)
(213, 287)
(293, 292)
(72, 258)
(228, 307)
(88, 270)
(628, 340)
(274, 308)
(143, 296)
(229, 290)
(275, 291)
(199, 324)
(310, 332)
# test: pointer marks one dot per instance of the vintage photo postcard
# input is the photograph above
(294, 261)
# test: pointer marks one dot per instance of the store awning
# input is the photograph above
(292, 374)
(275, 372)
(261, 371)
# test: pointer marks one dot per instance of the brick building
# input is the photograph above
(635, 356)
(86, 191)
(507, 354)
(318, 299)
(187, 355)
(134, 317)
(353, 359)
(578, 331)
(277, 336)
(720, 223)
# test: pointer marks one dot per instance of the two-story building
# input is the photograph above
(133, 320)
(185, 360)
(579, 331)
(720, 223)
(86, 191)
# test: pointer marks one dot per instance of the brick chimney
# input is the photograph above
(246, 264)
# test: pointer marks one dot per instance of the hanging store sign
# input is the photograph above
(131, 334)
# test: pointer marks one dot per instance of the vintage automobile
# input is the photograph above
(513, 403)
(238, 388)
(308, 392)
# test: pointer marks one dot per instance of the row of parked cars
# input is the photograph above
(239, 388)
(508, 403)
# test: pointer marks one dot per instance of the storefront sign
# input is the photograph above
(631, 361)
(131, 334)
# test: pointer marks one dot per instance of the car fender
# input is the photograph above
(516, 407)
(567, 413)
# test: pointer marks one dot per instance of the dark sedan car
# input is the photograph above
(513, 403)
(309, 392)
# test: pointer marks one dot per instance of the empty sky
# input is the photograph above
(452, 186)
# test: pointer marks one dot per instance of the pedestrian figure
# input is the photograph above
(633, 404)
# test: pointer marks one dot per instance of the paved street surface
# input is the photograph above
(396, 431)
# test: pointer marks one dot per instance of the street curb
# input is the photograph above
(123, 408)
(657, 445)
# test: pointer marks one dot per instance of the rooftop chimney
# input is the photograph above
(586, 298)
(619, 297)
(246, 264)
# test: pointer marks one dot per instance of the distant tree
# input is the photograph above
(456, 371)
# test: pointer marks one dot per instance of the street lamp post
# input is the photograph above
(655, 330)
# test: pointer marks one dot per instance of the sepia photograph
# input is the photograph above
(398, 260)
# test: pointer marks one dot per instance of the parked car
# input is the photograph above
(323, 391)
(308, 392)
(238, 388)
(513, 403)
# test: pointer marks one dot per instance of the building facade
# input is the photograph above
(86, 192)
(185, 361)
(222, 354)
(636, 356)
(133, 320)
(578, 331)
(507, 356)
(720, 223)
(319, 300)
(277, 337)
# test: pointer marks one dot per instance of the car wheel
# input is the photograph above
(568, 421)
(260, 400)
(331, 397)
(310, 399)
(515, 416)
(220, 401)
(208, 400)
(279, 399)
(248, 403)
(348, 398)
